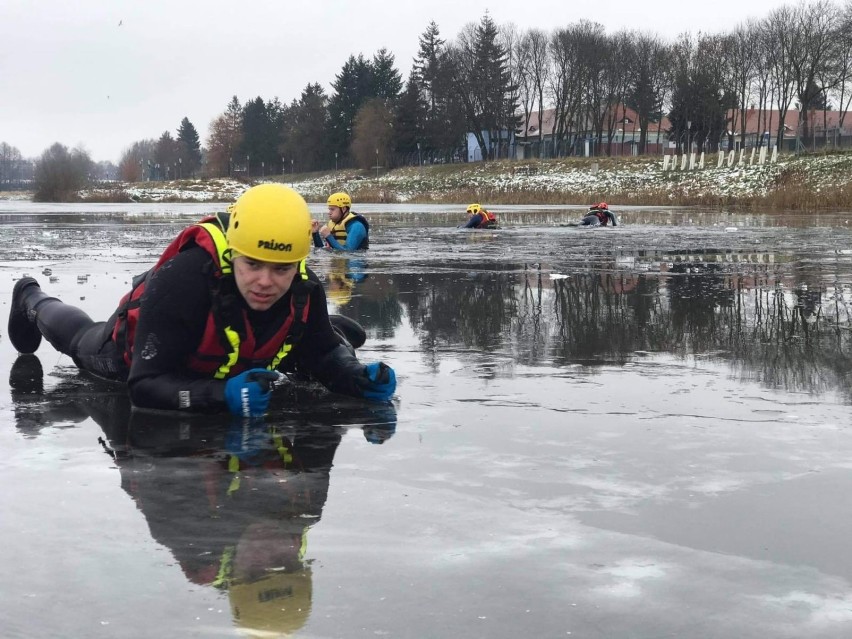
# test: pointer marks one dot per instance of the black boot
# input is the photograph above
(348, 329)
(23, 332)
(26, 377)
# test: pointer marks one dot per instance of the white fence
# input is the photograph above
(690, 162)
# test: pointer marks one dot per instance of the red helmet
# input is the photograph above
(603, 206)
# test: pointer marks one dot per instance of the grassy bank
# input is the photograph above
(801, 182)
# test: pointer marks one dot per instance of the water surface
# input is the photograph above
(631, 432)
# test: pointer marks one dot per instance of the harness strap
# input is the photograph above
(299, 306)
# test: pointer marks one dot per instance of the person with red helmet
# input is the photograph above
(599, 215)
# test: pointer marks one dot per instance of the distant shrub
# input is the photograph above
(60, 173)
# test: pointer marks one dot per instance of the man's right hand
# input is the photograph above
(248, 393)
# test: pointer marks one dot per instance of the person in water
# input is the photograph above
(479, 218)
(599, 215)
(229, 304)
(345, 230)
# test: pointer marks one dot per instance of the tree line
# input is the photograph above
(491, 80)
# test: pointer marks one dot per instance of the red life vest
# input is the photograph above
(223, 350)
(487, 218)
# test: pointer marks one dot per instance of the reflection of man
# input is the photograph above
(342, 276)
(232, 500)
(234, 509)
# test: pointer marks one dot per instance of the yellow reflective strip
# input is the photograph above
(234, 341)
(223, 577)
(284, 351)
(282, 449)
(221, 242)
(281, 354)
(304, 546)
(234, 486)
(233, 463)
(234, 467)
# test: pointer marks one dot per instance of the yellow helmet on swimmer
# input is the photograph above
(339, 199)
(473, 209)
(270, 223)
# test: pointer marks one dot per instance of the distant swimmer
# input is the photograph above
(479, 218)
(599, 215)
(345, 229)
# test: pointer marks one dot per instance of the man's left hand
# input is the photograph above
(378, 383)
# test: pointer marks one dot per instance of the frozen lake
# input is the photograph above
(635, 432)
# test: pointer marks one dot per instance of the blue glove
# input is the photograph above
(248, 393)
(379, 383)
(381, 423)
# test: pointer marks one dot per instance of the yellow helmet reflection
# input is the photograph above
(275, 605)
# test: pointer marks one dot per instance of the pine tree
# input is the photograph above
(485, 86)
(189, 159)
(352, 87)
(387, 81)
(306, 135)
(166, 156)
(427, 63)
(261, 137)
(411, 117)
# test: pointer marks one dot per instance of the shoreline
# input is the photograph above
(805, 182)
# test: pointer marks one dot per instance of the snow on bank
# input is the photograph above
(635, 176)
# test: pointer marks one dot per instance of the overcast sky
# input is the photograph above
(103, 74)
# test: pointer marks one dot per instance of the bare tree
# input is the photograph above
(613, 84)
(509, 39)
(524, 78)
(811, 42)
(224, 138)
(135, 163)
(779, 41)
(843, 89)
(372, 137)
(566, 81)
(763, 87)
(648, 65)
(10, 158)
(740, 51)
(539, 68)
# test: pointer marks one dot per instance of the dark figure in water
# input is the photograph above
(479, 218)
(599, 215)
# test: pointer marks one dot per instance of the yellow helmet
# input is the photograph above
(270, 223)
(339, 289)
(275, 605)
(340, 199)
(473, 209)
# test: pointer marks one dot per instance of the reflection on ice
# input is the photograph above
(637, 432)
